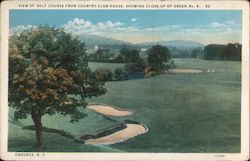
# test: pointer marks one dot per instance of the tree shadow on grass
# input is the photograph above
(18, 123)
(55, 131)
(135, 75)
(81, 139)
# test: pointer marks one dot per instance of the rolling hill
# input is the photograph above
(92, 40)
(178, 48)
(175, 43)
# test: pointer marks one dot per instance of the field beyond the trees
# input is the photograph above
(184, 112)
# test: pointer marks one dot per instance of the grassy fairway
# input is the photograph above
(184, 113)
(111, 66)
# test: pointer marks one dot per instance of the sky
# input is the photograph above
(138, 26)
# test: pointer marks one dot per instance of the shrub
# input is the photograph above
(170, 65)
(133, 67)
(103, 75)
(120, 74)
(118, 59)
(150, 71)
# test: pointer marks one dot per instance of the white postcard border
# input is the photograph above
(225, 5)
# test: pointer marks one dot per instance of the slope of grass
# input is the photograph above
(22, 139)
(184, 113)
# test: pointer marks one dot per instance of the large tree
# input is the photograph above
(101, 55)
(158, 56)
(131, 55)
(133, 61)
(49, 74)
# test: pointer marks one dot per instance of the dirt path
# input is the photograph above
(130, 131)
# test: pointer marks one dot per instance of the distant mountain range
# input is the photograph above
(175, 43)
(178, 48)
(92, 40)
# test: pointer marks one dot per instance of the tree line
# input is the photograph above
(157, 59)
(223, 52)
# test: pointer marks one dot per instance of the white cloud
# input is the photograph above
(231, 23)
(213, 32)
(133, 20)
(112, 25)
(207, 33)
(164, 28)
(21, 28)
(223, 25)
(217, 25)
(78, 26)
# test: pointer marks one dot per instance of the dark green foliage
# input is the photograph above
(46, 65)
(120, 74)
(103, 75)
(134, 62)
(158, 56)
(130, 55)
(118, 59)
(197, 52)
(48, 68)
(101, 55)
(232, 52)
(170, 65)
(213, 51)
(223, 52)
(134, 67)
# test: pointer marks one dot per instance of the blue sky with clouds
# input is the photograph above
(136, 26)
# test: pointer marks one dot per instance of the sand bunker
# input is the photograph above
(130, 131)
(108, 110)
(188, 71)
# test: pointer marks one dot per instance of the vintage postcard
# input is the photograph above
(124, 80)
